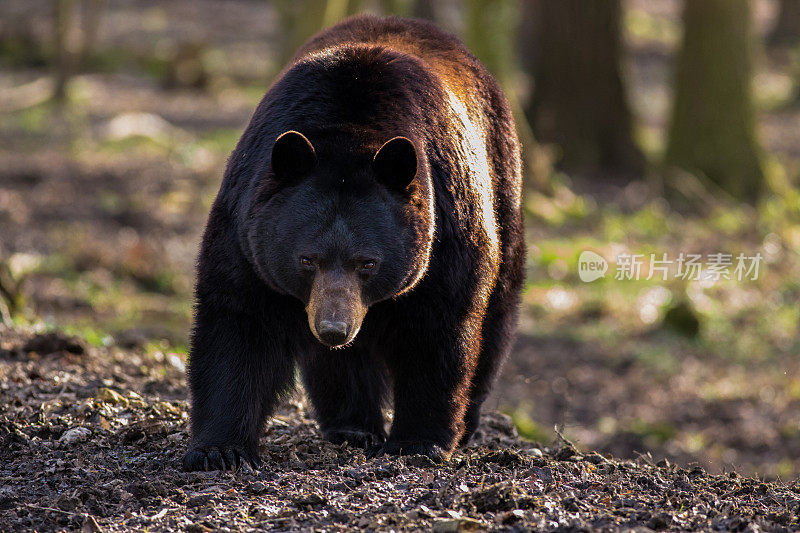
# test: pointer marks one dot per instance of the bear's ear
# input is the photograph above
(293, 156)
(395, 163)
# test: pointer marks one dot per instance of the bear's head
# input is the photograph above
(341, 228)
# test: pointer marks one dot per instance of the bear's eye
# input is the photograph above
(368, 265)
(306, 262)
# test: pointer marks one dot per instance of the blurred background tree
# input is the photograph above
(424, 9)
(712, 130)
(786, 31)
(579, 100)
(304, 18)
(490, 31)
(75, 27)
(65, 30)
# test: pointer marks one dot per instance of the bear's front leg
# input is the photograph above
(346, 387)
(239, 365)
(431, 372)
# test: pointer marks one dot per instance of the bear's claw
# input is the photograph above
(219, 458)
(430, 450)
(355, 438)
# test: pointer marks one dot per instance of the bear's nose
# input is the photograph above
(332, 333)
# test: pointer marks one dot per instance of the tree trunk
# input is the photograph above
(713, 120)
(401, 8)
(64, 43)
(303, 18)
(579, 101)
(424, 9)
(786, 31)
(92, 16)
(489, 34)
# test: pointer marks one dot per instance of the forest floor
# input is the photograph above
(92, 439)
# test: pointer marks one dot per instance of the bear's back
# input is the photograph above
(443, 52)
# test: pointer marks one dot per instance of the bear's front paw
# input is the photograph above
(355, 438)
(219, 458)
(430, 450)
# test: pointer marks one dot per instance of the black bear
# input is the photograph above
(368, 229)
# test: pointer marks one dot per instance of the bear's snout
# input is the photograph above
(334, 309)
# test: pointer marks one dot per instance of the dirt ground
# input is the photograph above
(92, 439)
(701, 411)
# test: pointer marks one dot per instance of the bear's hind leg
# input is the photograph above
(497, 334)
(346, 387)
